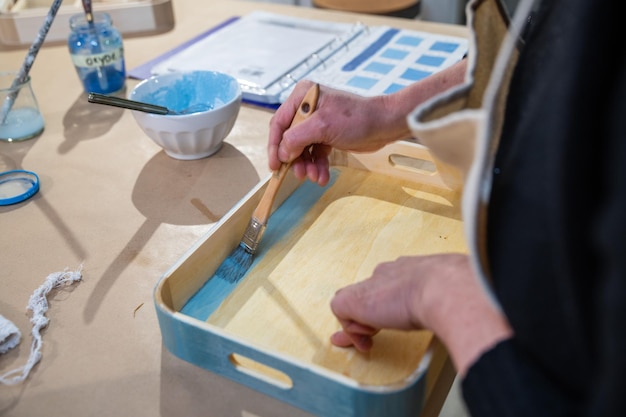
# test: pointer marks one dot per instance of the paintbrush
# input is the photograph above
(22, 74)
(88, 11)
(102, 79)
(237, 263)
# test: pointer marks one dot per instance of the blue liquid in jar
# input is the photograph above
(97, 52)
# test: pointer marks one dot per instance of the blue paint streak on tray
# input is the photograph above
(370, 50)
(209, 297)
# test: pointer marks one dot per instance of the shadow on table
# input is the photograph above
(171, 191)
(12, 154)
(193, 192)
(85, 120)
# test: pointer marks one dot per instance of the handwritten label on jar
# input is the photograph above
(98, 60)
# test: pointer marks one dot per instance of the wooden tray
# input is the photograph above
(271, 330)
(130, 17)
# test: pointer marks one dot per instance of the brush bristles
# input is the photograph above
(235, 265)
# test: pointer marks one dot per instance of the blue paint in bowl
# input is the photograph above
(196, 90)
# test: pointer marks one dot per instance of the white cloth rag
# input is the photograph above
(38, 304)
(10, 335)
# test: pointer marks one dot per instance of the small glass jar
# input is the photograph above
(97, 53)
(20, 118)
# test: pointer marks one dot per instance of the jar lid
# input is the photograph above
(17, 186)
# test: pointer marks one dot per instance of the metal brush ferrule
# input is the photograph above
(252, 235)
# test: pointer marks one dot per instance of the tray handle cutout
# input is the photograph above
(406, 160)
(410, 163)
(260, 371)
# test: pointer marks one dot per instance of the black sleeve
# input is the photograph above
(581, 372)
(505, 382)
(509, 380)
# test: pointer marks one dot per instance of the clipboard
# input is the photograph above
(268, 53)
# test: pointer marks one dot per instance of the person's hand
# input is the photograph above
(341, 120)
(435, 292)
(347, 122)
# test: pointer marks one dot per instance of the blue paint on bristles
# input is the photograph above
(235, 265)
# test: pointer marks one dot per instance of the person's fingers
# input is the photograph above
(298, 139)
(281, 121)
(345, 339)
(272, 159)
(348, 303)
(312, 172)
(320, 156)
(313, 164)
(341, 339)
(355, 328)
(381, 301)
(362, 343)
(299, 168)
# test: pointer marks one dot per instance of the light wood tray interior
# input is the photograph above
(365, 218)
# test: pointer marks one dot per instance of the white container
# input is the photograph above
(21, 25)
(189, 136)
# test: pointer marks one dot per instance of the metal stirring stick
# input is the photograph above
(127, 104)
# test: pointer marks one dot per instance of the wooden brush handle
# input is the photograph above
(306, 108)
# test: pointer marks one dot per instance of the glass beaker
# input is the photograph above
(20, 118)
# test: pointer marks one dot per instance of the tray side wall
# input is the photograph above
(311, 391)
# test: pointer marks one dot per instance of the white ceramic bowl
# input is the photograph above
(195, 135)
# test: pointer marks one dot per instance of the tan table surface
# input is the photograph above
(112, 201)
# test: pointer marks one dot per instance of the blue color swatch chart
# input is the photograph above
(389, 59)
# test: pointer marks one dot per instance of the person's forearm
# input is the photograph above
(460, 313)
(470, 332)
(400, 104)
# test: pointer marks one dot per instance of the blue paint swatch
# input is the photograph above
(379, 67)
(393, 88)
(409, 40)
(444, 46)
(430, 60)
(364, 83)
(392, 53)
(414, 74)
(371, 50)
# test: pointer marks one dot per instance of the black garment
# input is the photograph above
(557, 223)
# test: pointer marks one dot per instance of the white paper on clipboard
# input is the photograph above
(258, 49)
